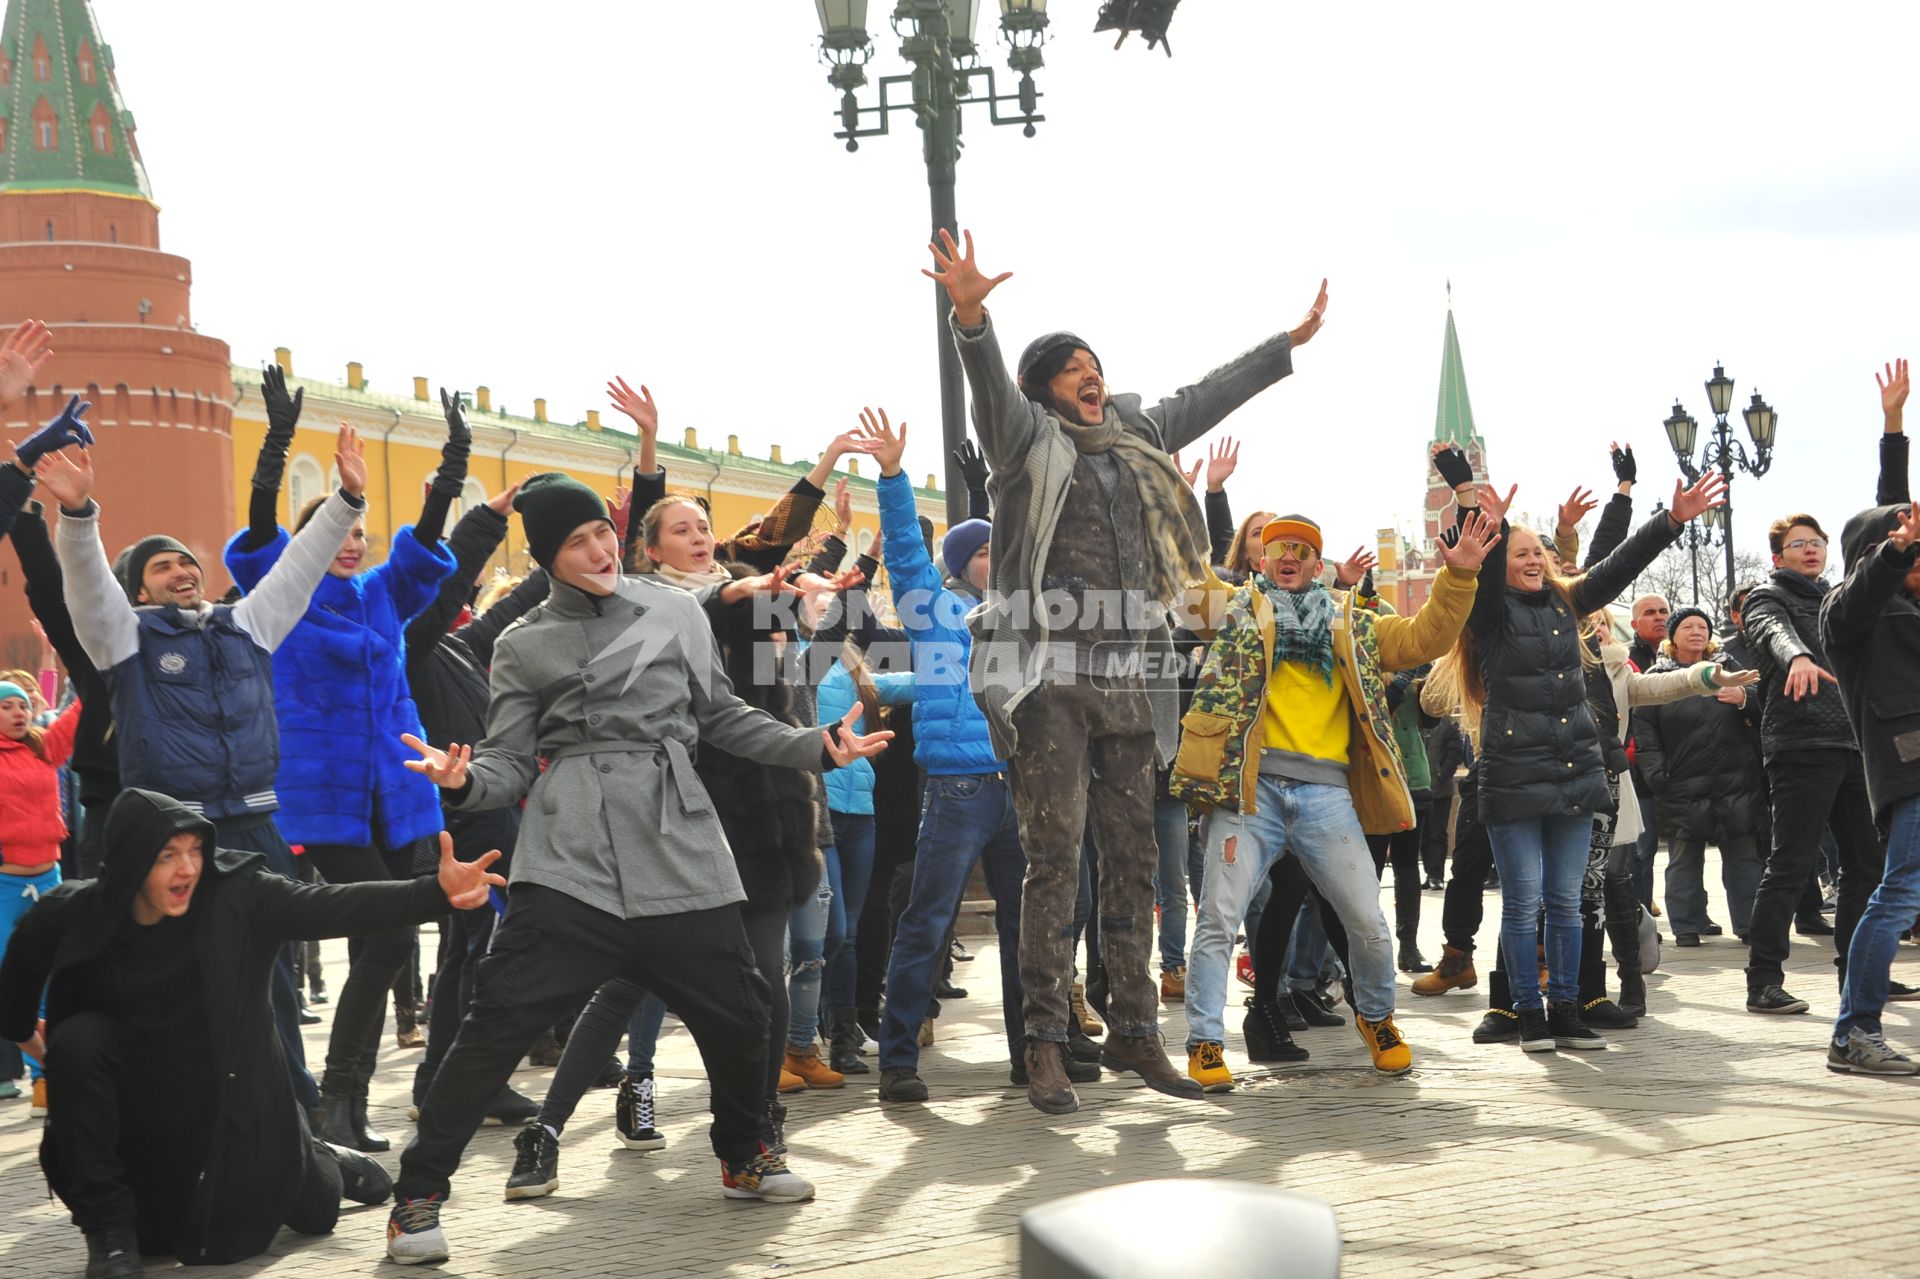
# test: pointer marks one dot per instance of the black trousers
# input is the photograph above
(260, 835)
(360, 1003)
(1465, 903)
(1268, 947)
(1434, 826)
(117, 1151)
(549, 954)
(1811, 791)
(1402, 848)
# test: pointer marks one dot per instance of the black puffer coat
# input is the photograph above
(1702, 765)
(768, 813)
(1782, 622)
(1540, 751)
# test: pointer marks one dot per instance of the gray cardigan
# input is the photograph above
(1030, 466)
(616, 693)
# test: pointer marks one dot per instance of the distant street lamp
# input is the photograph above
(1723, 453)
(936, 36)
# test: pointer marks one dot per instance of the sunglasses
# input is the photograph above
(1301, 551)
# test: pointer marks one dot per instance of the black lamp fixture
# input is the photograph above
(1723, 453)
(1148, 17)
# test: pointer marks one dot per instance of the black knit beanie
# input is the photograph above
(1043, 359)
(552, 506)
(130, 566)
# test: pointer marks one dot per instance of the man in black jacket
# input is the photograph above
(1871, 625)
(172, 1124)
(1814, 773)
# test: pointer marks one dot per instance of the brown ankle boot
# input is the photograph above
(806, 1063)
(1146, 1057)
(1048, 1087)
(1454, 973)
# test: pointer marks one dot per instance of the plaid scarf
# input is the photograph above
(1176, 528)
(1302, 625)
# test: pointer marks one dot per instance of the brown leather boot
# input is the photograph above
(1454, 973)
(1146, 1057)
(1048, 1088)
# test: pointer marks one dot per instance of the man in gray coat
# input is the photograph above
(621, 869)
(1096, 539)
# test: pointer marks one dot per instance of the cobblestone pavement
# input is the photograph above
(1709, 1141)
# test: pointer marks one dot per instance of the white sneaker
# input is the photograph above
(765, 1177)
(413, 1232)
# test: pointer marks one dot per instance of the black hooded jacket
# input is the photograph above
(244, 913)
(1702, 765)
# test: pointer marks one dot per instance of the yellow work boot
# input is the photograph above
(1391, 1056)
(790, 1082)
(1173, 984)
(1207, 1066)
(806, 1064)
(1089, 1024)
(1454, 973)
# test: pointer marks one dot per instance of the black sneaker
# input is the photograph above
(362, 1178)
(633, 1114)
(509, 1109)
(1569, 1031)
(536, 1164)
(947, 990)
(1533, 1032)
(113, 1253)
(1898, 992)
(1712, 930)
(1316, 1009)
(611, 1074)
(1081, 1049)
(1772, 999)
(1266, 1035)
(1812, 926)
(1686, 939)
(1499, 1026)
(901, 1083)
(1607, 1015)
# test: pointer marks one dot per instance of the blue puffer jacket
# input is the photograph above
(949, 732)
(850, 787)
(340, 686)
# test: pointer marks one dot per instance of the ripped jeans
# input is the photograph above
(807, 958)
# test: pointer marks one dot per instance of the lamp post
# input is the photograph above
(1723, 452)
(936, 37)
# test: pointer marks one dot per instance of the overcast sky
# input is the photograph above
(536, 197)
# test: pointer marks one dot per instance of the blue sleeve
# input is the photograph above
(413, 573)
(249, 568)
(895, 689)
(906, 555)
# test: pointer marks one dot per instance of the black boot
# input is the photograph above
(1500, 1025)
(1097, 990)
(1411, 960)
(365, 1138)
(844, 1038)
(1633, 993)
(333, 1122)
(1265, 1031)
(113, 1253)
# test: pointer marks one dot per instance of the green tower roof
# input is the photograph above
(65, 126)
(1453, 420)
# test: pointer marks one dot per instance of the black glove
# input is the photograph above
(1624, 469)
(452, 475)
(283, 414)
(66, 429)
(1453, 466)
(973, 467)
(1366, 585)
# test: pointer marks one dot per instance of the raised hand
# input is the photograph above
(848, 745)
(1303, 332)
(1479, 533)
(639, 406)
(842, 506)
(283, 410)
(350, 457)
(1577, 507)
(1893, 393)
(1625, 469)
(1452, 465)
(878, 438)
(1906, 527)
(1188, 473)
(1223, 458)
(778, 582)
(1356, 566)
(466, 883)
(446, 769)
(68, 428)
(26, 352)
(1688, 503)
(68, 478)
(1492, 504)
(502, 502)
(973, 467)
(454, 409)
(961, 278)
(1804, 677)
(451, 478)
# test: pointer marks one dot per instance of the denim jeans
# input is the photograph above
(1179, 866)
(18, 895)
(1687, 890)
(1892, 908)
(966, 818)
(1542, 859)
(850, 862)
(1318, 825)
(643, 1034)
(808, 930)
(1307, 947)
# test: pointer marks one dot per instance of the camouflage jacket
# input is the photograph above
(1220, 741)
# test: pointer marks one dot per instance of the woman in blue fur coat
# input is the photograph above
(341, 695)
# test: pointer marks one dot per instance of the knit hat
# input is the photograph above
(1293, 528)
(962, 542)
(552, 506)
(1681, 614)
(1046, 355)
(131, 565)
(9, 689)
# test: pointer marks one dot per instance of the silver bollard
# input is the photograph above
(1228, 1230)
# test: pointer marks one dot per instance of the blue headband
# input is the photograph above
(13, 690)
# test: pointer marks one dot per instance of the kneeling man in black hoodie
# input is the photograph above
(172, 1127)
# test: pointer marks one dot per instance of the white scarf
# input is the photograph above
(715, 574)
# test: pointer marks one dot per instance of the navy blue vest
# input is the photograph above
(193, 711)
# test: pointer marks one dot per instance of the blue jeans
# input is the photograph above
(1876, 937)
(18, 895)
(1308, 949)
(965, 818)
(643, 1034)
(1542, 859)
(809, 926)
(850, 862)
(1180, 864)
(1318, 825)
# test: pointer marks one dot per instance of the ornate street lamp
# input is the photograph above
(1723, 452)
(936, 37)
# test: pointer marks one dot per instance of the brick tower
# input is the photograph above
(80, 249)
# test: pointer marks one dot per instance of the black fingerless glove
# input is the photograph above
(1624, 468)
(1453, 466)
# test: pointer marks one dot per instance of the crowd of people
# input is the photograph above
(729, 779)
